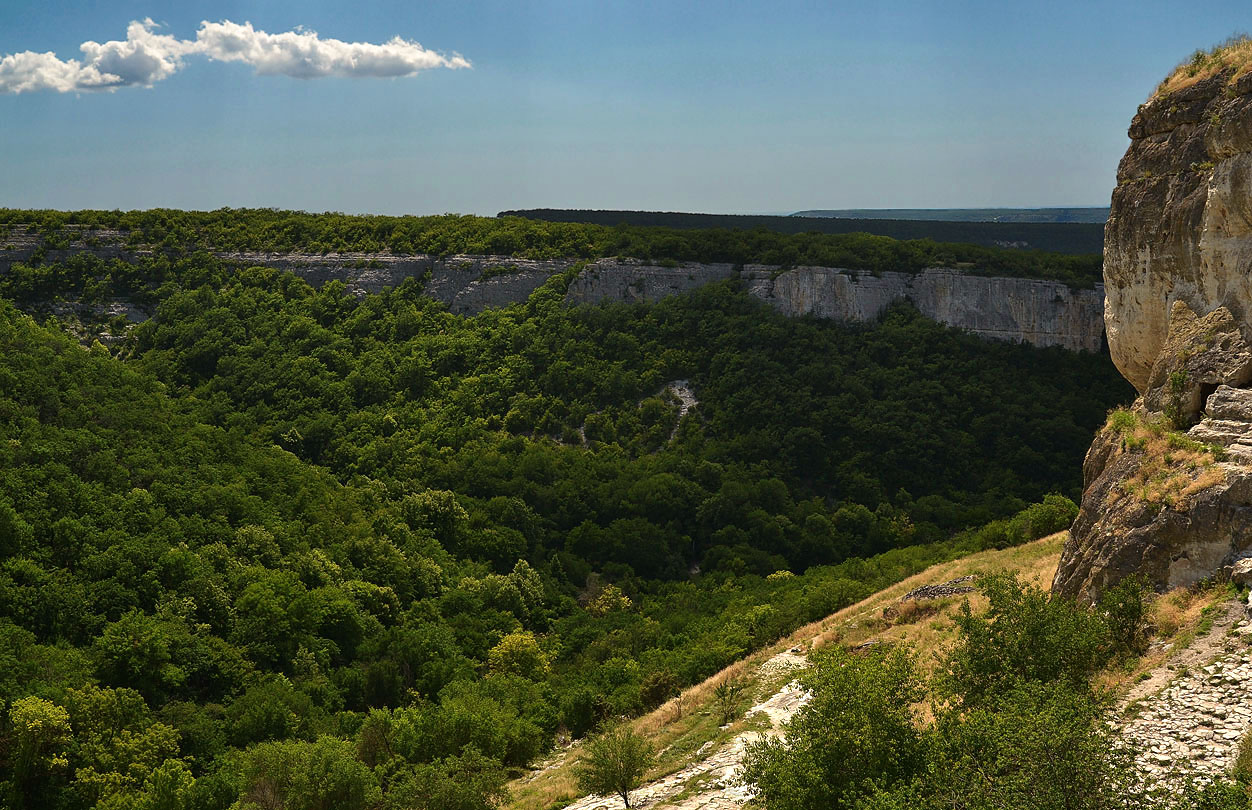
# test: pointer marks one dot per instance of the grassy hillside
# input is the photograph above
(688, 728)
(1233, 56)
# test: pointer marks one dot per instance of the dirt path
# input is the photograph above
(713, 783)
(1187, 718)
(1201, 650)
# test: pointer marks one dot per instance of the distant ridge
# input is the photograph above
(1079, 214)
(1061, 237)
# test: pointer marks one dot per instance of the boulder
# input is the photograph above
(1142, 514)
(1199, 354)
(1241, 571)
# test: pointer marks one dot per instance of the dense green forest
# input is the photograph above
(177, 233)
(287, 545)
(953, 225)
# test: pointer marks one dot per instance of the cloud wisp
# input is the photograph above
(146, 57)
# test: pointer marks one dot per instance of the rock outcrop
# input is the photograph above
(631, 281)
(1160, 500)
(1165, 506)
(1199, 354)
(1042, 313)
(1180, 228)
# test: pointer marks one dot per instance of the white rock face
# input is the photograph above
(1180, 228)
(631, 281)
(1042, 313)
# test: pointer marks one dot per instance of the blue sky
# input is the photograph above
(729, 107)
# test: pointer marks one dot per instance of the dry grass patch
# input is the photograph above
(1172, 468)
(1234, 55)
(1175, 620)
(678, 729)
(863, 622)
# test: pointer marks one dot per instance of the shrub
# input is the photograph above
(1025, 634)
(1124, 609)
(857, 735)
(614, 763)
(727, 696)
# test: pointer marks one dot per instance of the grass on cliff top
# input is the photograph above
(1235, 54)
(1174, 466)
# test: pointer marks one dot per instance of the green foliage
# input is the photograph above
(728, 698)
(182, 234)
(291, 543)
(39, 730)
(1043, 746)
(468, 782)
(1124, 608)
(518, 653)
(1015, 723)
(306, 776)
(1217, 795)
(614, 763)
(1241, 769)
(856, 737)
(1173, 403)
(1025, 635)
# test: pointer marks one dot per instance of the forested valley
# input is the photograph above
(283, 544)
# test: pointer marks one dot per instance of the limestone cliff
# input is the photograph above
(1042, 313)
(1181, 218)
(1168, 484)
(631, 281)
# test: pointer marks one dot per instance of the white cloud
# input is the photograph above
(146, 57)
(305, 55)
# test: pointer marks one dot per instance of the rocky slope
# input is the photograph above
(715, 782)
(1042, 313)
(1186, 718)
(1178, 315)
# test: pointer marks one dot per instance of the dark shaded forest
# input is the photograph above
(1061, 237)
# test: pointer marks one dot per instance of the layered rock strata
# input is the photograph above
(1175, 514)
(1042, 313)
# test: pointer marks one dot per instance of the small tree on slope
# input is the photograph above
(614, 762)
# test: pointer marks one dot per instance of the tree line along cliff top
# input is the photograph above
(244, 230)
(1233, 56)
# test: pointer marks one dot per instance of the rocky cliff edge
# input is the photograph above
(1168, 482)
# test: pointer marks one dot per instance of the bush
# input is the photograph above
(1038, 746)
(727, 696)
(857, 735)
(1025, 634)
(1124, 609)
(614, 763)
